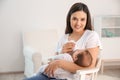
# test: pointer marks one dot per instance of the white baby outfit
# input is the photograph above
(60, 73)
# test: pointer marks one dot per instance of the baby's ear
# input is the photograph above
(76, 58)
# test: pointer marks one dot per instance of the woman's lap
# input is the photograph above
(42, 77)
(37, 77)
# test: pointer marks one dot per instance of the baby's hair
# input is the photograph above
(81, 58)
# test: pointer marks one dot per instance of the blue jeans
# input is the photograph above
(42, 77)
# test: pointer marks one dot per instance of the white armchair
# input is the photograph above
(38, 45)
(88, 74)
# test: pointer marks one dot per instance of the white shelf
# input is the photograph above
(107, 26)
(110, 32)
(111, 27)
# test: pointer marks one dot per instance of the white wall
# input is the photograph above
(19, 15)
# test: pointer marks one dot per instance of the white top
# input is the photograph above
(89, 39)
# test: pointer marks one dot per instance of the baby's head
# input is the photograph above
(82, 58)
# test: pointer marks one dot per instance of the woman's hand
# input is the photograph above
(68, 47)
(51, 68)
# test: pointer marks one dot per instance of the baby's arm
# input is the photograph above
(66, 57)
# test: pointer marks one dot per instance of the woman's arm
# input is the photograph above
(94, 53)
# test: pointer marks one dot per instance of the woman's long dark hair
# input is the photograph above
(74, 8)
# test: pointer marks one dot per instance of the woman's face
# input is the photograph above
(78, 21)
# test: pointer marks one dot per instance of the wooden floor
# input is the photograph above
(12, 76)
(109, 74)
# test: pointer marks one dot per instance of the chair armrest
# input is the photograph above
(47, 59)
(29, 51)
(86, 74)
(37, 61)
(87, 71)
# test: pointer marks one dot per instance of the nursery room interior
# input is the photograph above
(30, 30)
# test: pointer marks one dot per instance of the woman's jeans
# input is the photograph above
(42, 77)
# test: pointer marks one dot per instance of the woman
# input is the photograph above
(80, 30)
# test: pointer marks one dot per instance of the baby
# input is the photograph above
(80, 57)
